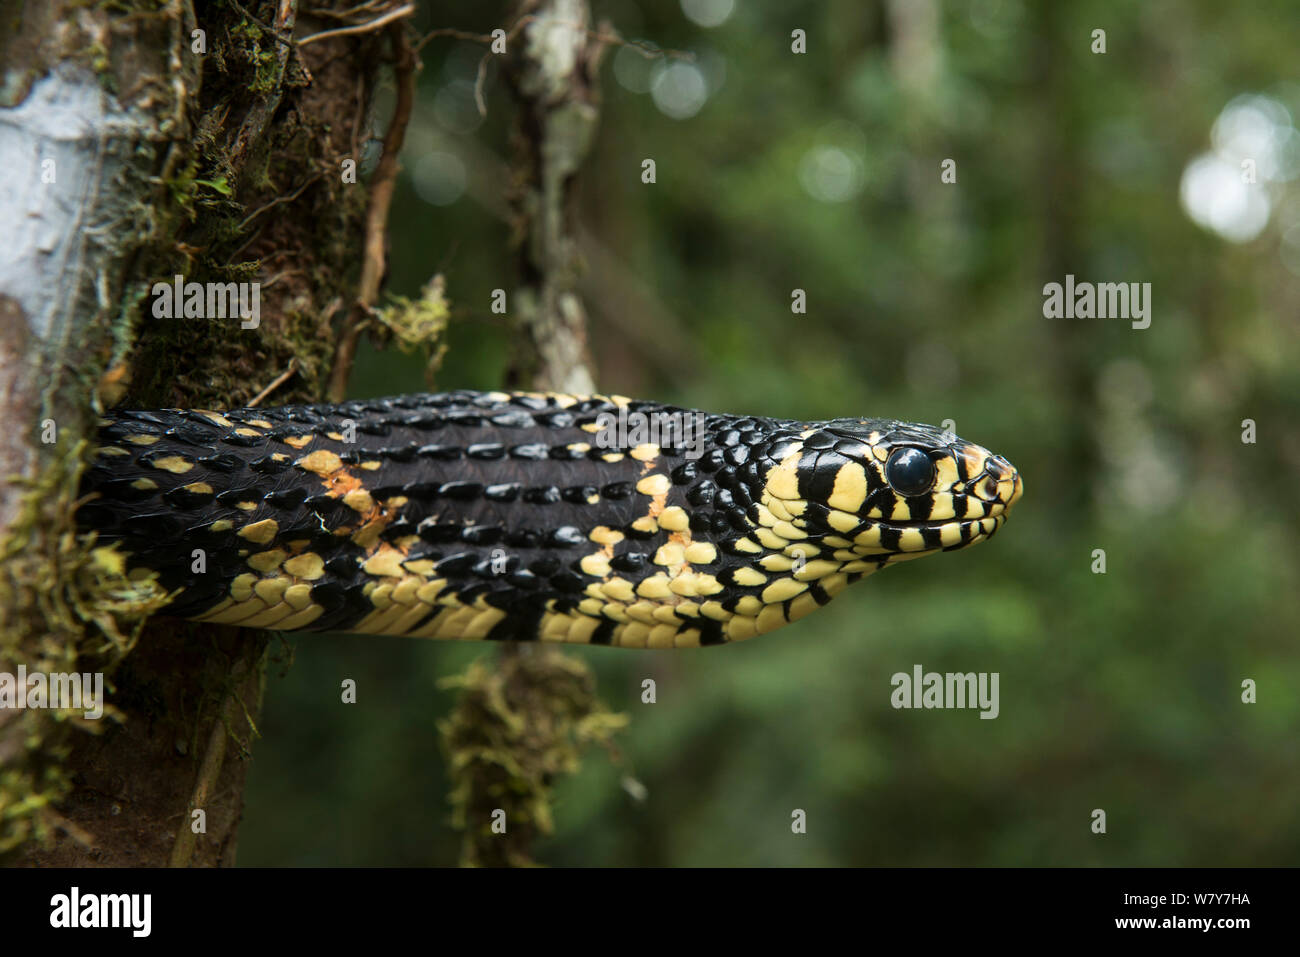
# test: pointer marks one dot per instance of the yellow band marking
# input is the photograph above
(850, 489)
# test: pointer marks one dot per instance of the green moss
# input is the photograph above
(97, 56)
(516, 729)
(419, 325)
(263, 60)
(53, 586)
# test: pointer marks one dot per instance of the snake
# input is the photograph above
(525, 516)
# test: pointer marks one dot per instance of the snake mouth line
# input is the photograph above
(997, 512)
(904, 540)
(996, 508)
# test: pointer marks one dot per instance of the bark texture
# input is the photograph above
(553, 72)
(140, 149)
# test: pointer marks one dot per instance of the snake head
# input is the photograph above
(888, 491)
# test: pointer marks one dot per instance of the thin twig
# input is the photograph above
(480, 80)
(366, 7)
(367, 27)
(78, 834)
(602, 35)
(279, 381)
(381, 197)
(278, 276)
(359, 115)
(209, 771)
(652, 52)
(279, 199)
(452, 32)
(647, 49)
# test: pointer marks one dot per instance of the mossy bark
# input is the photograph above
(218, 156)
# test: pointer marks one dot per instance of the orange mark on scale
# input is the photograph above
(372, 521)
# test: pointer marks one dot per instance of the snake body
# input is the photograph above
(525, 516)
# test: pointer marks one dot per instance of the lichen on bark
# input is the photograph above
(219, 164)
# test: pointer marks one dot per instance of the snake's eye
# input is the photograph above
(909, 471)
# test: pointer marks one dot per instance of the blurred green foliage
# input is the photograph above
(821, 171)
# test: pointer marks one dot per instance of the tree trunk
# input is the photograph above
(142, 141)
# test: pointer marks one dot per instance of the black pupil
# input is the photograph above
(910, 471)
